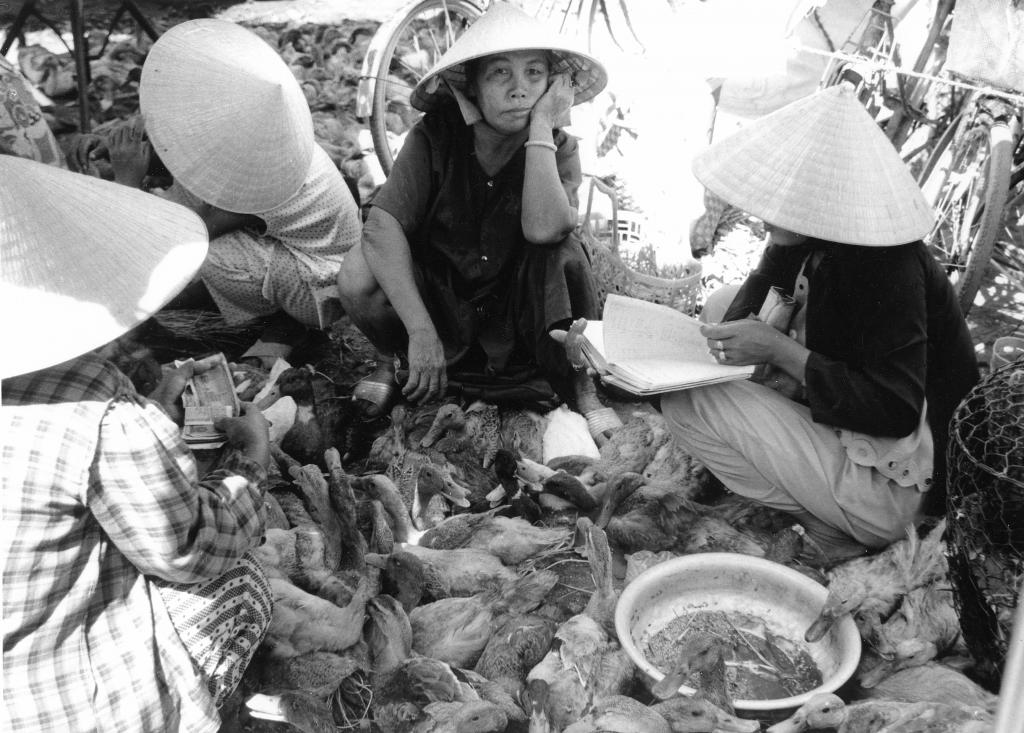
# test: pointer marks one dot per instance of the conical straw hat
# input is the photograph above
(820, 167)
(507, 28)
(84, 260)
(226, 116)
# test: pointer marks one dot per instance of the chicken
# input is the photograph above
(871, 587)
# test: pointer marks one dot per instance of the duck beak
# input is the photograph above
(796, 723)
(725, 723)
(266, 707)
(817, 630)
(376, 560)
(456, 494)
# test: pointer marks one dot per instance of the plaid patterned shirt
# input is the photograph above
(99, 491)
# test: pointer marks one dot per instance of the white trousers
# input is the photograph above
(766, 447)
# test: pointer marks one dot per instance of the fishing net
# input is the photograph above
(985, 510)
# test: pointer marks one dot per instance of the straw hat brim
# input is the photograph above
(226, 116)
(84, 261)
(505, 28)
(820, 167)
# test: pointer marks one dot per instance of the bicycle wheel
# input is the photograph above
(966, 181)
(403, 50)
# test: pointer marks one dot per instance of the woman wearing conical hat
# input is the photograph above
(847, 428)
(468, 259)
(229, 121)
(131, 601)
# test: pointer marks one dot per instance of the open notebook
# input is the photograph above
(645, 348)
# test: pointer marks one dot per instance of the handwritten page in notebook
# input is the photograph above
(653, 348)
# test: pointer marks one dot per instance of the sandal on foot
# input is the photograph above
(602, 421)
(377, 390)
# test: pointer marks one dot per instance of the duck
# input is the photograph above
(511, 490)
(584, 664)
(515, 647)
(535, 700)
(303, 622)
(308, 480)
(871, 587)
(511, 539)
(639, 516)
(305, 439)
(381, 488)
(933, 682)
(459, 572)
(404, 683)
(351, 542)
(299, 710)
(697, 715)
(828, 711)
(641, 560)
(671, 462)
(620, 714)
(403, 577)
(483, 425)
(495, 693)
(456, 630)
(703, 661)
(601, 606)
(630, 448)
(925, 626)
(475, 716)
(521, 431)
(382, 535)
(318, 672)
(434, 491)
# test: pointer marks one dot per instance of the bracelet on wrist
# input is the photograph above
(541, 144)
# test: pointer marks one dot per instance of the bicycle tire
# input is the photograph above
(967, 191)
(391, 33)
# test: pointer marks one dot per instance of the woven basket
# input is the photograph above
(986, 42)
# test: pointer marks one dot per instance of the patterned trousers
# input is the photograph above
(221, 622)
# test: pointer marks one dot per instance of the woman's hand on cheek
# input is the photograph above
(555, 102)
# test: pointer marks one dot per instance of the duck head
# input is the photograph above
(820, 712)
(696, 654)
(840, 601)
(697, 715)
(449, 417)
(404, 576)
(906, 653)
(387, 632)
(618, 489)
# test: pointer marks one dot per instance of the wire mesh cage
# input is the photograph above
(985, 512)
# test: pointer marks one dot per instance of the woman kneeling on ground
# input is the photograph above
(131, 601)
(229, 121)
(468, 257)
(847, 429)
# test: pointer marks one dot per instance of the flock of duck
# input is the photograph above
(462, 576)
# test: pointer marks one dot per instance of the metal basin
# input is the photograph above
(722, 581)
